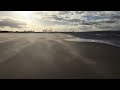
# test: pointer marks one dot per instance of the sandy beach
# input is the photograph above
(50, 56)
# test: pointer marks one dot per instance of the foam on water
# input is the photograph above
(110, 42)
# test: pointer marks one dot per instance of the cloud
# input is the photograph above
(6, 13)
(82, 19)
(85, 23)
(55, 17)
(115, 17)
(73, 20)
(63, 12)
(101, 21)
(96, 19)
(80, 12)
(8, 22)
(58, 15)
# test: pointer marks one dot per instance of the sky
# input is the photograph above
(78, 21)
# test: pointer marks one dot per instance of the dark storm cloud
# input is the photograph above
(101, 22)
(85, 23)
(7, 22)
(116, 17)
(109, 21)
(109, 27)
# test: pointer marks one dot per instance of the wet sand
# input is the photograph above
(107, 58)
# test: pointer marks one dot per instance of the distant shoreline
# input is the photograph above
(90, 32)
(58, 32)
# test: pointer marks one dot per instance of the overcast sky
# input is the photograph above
(60, 20)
